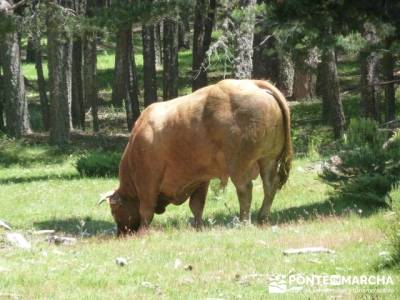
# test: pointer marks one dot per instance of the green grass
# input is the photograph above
(41, 189)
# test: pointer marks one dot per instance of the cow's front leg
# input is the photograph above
(146, 212)
(196, 203)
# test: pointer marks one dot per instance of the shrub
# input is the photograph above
(393, 234)
(99, 164)
(368, 166)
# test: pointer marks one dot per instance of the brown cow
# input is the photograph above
(233, 129)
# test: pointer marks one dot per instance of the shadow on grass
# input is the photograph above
(28, 179)
(19, 154)
(309, 212)
(82, 227)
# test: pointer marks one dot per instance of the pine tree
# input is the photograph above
(15, 104)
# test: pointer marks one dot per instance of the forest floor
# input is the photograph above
(41, 190)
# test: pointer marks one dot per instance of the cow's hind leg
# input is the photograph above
(244, 189)
(196, 203)
(268, 173)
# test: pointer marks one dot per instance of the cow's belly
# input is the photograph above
(178, 191)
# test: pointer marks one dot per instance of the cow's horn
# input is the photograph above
(105, 197)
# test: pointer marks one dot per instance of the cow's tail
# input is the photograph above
(285, 159)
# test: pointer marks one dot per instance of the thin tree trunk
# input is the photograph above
(44, 102)
(388, 70)
(158, 43)
(59, 45)
(170, 56)
(331, 92)
(244, 35)
(203, 25)
(90, 76)
(16, 107)
(369, 63)
(30, 51)
(78, 111)
(149, 66)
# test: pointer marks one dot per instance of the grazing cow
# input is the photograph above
(233, 129)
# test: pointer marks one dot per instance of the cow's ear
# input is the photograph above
(106, 197)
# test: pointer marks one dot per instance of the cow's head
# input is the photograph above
(125, 212)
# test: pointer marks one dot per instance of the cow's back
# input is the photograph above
(209, 133)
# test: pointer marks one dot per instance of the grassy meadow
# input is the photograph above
(40, 189)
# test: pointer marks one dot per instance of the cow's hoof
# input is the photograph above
(198, 225)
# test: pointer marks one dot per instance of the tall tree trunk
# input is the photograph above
(285, 74)
(16, 107)
(203, 26)
(302, 81)
(369, 63)
(388, 70)
(158, 43)
(30, 51)
(331, 92)
(133, 90)
(90, 76)
(44, 102)
(183, 35)
(78, 111)
(149, 65)
(2, 124)
(122, 49)
(244, 34)
(59, 45)
(320, 90)
(264, 65)
(170, 57)
(125, 80)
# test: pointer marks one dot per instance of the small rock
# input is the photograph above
(384, 253)
(308, 250)
(18, 240)
(120, 261)
(3, 270)
(148, 284)
(177, 263)
(61, 240)
(300, 169)
(187, 280)
(4, 225)
(188, 268)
